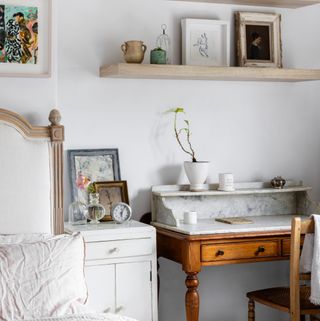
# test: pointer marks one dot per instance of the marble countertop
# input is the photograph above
(240, 189)
(210, 226)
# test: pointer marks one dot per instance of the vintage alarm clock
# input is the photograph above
(121, 212)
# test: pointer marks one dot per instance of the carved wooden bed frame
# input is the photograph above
(55, 133)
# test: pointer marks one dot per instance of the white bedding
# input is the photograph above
(86, 317)
(44, 278)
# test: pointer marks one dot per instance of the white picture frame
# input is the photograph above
(205, 42)
(43, 66)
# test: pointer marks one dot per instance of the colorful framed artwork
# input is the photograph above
(110, 194)
(205, 42)
(93, 165)
(25, 38)
(258, 39)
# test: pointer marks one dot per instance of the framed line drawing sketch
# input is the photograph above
(205, 42)
(110, 194)
(258, 39)
(95, 165)
(25, 38)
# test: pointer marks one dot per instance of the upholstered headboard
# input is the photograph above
(31, 175)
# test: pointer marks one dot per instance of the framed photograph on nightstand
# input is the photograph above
(93, 165)
(205, 42)
(111, 193)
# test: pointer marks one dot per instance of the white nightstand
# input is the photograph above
(121, 268)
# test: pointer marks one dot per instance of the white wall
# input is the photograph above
(255, 130)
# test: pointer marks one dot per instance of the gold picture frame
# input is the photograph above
(258, 39)
(111, 193)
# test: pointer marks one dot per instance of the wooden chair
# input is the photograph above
(293, 300)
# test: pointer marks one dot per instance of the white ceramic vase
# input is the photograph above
(197, 173)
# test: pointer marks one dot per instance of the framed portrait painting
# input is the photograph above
(111, 193)
(258, 39)
(25, 38)
(91, 165)
(205, 42)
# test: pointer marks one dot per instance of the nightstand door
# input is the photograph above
(101, 287)
(133, 294)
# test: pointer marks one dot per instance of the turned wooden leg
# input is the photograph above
(251, 312)
(192, 297)
(158, 277)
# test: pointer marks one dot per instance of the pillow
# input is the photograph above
(42, 279)
(23, 238)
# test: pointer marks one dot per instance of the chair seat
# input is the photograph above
(279, 298)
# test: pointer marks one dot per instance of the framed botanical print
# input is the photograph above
(25, 38)
(111, 193)
(205, 42)
(92, 165)
(258, 39)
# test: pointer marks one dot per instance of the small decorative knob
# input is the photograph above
(114, 250)
(55, 117)
(278, 182)
(261, 249)
(220, 253)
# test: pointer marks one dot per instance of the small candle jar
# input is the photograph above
(190, 217)
(158, 56)
(226, 182)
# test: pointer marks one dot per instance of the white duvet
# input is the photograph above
(86, 317)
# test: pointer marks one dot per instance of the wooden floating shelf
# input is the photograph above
(146, 71)
(266, 3)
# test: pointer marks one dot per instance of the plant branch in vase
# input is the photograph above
(77, 209)
(196, 171)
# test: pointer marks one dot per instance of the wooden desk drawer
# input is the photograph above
(286, 247)
(117, 249)
(286, 244)
(238, 251)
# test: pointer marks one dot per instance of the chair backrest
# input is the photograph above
(297, 229)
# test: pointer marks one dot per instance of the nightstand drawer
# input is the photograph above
(238, 251)
(117, 249)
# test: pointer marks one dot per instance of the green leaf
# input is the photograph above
(183, 129)
(174, 110)
(179, 110)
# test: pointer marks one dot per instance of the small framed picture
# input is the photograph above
(92, 165)
(110, 194)
(205, 42)
(258, 39)
(25, 38)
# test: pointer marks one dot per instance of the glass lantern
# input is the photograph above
(77, 213)
(96, 211)
(164, 42)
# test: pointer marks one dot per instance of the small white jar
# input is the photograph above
(190, 218)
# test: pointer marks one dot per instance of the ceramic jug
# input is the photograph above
(134, 51)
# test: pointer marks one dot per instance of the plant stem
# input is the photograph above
(192, 154)
(189, 142)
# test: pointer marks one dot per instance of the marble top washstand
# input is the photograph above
(269, 209)
(210, 226)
